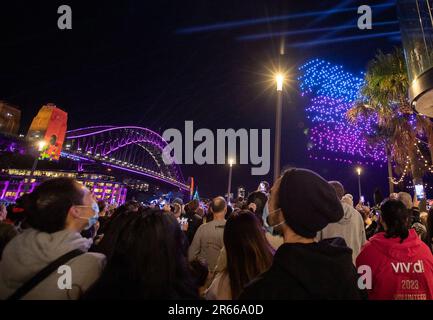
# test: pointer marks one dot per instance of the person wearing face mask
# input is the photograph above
(299, 205)
(56, 212)
(274, 238)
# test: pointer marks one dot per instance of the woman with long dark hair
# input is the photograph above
(248, 255)
(145, 259)
(401, 264)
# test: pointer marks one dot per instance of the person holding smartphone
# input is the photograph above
(413, 206)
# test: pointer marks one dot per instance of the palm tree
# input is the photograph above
(384, 96)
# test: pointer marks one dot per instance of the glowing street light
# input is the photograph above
(359, 170)
(279, 79)
(40, 145)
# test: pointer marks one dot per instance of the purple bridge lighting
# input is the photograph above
(132, 149)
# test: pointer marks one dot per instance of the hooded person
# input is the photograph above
(57, 211)
(401, 265)
(300, 204)
(348, 199)
(350, 227)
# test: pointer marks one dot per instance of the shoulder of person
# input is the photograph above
(88, 260)
(367, 253)
(86, 269)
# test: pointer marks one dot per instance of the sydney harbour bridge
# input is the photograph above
(109, 160)
(135, 150)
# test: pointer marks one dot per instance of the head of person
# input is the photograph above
(200, 212)
(393, 196)
(145, 259)
(103, 208)
(394, 219)
(423, 216)
(339, 188)
(132, 206)
(60, 203)
(301, 203)
(406, 199)
(248, 252)
(259, 200)
(218, 207)
(348, 199)
(177, 210)
(377, 197)
(192, 206)
(178, 201)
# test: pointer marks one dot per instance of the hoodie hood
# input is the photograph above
(393, 249)
(348, 213)
(32, 250)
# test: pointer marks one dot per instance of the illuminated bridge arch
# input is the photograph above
(134, 149)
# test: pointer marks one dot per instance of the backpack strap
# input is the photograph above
(43, 274)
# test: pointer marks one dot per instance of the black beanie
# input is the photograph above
(308, 202)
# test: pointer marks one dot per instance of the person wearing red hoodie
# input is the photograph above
(401, 264)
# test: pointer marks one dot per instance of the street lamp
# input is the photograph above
(231, 162)
(358, 170)
(279, 79)
(41, 145)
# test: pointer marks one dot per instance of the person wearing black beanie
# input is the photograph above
(300, 204)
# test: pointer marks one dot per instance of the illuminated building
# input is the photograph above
(9, 118)
(49, 125)
(102, 186)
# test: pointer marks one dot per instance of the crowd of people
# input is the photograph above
(302, 239)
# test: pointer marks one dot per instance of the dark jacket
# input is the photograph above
(307, 271)
(194, 221)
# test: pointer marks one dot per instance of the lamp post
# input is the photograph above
(230, 180)
(41, 144)
(279, 79)
(358, 170)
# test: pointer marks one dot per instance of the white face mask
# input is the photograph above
(265, 216)
(93, 219)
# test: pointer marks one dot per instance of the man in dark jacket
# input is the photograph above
(194, 220)
(300, 204)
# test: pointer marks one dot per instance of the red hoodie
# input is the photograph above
(400, 271)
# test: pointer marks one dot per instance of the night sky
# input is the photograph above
(140, 63)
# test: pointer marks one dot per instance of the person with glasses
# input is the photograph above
(49, 259)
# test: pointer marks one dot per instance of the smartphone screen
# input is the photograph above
(419, 191)
(362, 199)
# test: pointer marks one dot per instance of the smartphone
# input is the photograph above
(419, 191)
(362, 199)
